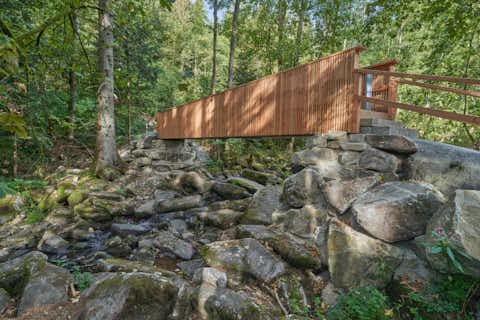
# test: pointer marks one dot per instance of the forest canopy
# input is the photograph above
(163, 56)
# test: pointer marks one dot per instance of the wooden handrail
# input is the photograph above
(433, 86)
(438, 113)
(418, 76)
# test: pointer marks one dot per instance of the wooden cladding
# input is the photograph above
(312, 98)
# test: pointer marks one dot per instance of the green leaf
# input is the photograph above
(436, 250)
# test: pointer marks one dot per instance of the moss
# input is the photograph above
(75, 198)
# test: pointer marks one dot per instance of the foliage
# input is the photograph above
(449, 247)
(364, 303)
(81, 280)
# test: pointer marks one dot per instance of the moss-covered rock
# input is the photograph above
(91, 210)
(4, 297)
(76, 197)
(9, 206)
(138, 296)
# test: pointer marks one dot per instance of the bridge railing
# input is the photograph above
(398, 78)
(309, 99)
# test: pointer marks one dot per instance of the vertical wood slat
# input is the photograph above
(312, 98)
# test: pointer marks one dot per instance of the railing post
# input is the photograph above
(357, 90)
(392, 94)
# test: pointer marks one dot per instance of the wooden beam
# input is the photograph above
(365, 114)
(382, 64)
(433, 86)
(438, 113)
(418, 76)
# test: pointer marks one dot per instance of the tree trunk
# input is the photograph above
(106, 149)
(298, 41)
(214, 59)
(232, 43)
(282, 12)
(73, 80)
(129, 124)
(14, 158)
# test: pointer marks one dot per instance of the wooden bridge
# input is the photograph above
(331, 93)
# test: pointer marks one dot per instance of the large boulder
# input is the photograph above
(223, 218)
(46, 284)
(167, 241)
(341, 193)
(9, 206)
(226, 304)
(379, 161)
(392, 143)
(298, 253)
(250, 185)
(261, 177)
(314, 156)
(243, 256)
(302, 188)
(305, 221)
(397, 211)
(139, 296)
(459, 221)
(230, 191)
(446, 167)
(35, 280)
(52, 243)
(178, 204)
(264, 203)
(355, 259)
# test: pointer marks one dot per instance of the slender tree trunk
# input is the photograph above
(14, 158)
(282, 12)
(232, 43)
(106, 149)
(298, 41)
(129, 124)
(73, 81)
(214, 59)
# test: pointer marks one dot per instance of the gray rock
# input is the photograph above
(189, 267)
(250, 185)
(261, 177)
(194, 181)
(291, 250)
(160, 195)
(330, 295)
(317, 141)
(412, 269)
(145, 210)
(303, 222)
(226, 304)
(229, 191)
(125, 229)
(353, 146)
(113, 196)
(313, 157)
(210, 276)
(178, 204)
(398, 144)
(4, 297)
(178, 227)
(182, 249)
(143, 162)
(459, 221)
(397, 211)
(302, 188)
(139, 296)
(349, 158)
(46, 284)
(380, 161)
(264, 203)
(341, 193)
(236, 205)
(336, 135)
(223, 218)
(117, 247)
(446, 167)
(243, 256)
(354, 258)
(13, 270)
(52, 243)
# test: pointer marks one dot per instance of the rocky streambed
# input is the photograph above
(167, 240)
